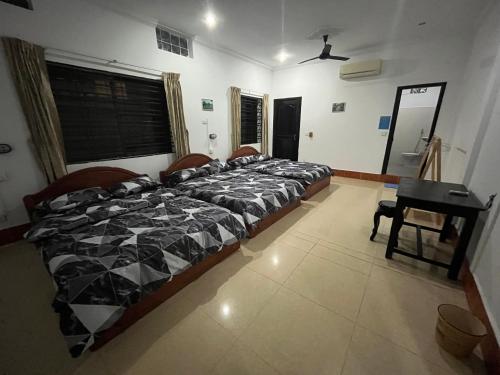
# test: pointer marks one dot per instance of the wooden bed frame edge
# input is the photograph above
(243, 151)
(104, 177)
(187, 161)
(316, 187)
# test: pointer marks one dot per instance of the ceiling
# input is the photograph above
(260, 29)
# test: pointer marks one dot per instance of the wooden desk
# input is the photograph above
(433, 196)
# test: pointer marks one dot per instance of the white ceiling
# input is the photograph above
(255, 28)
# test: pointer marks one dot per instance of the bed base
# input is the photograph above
(316, 187)
(142, 308)
(273, 218)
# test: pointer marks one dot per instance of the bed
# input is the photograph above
(314, 177)
(260, 199)
(114, 260)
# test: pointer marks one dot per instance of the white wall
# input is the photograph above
(85, 28)
(351, 140)
(478, 135)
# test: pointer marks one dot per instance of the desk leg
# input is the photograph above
(397, 223)
(459, 254)
(445, 232)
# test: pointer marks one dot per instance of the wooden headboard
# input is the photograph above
(243, 151)
(104, 177)
(188, 161)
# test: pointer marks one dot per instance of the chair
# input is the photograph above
(385, 208)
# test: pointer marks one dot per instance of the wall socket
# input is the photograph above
(3, 175)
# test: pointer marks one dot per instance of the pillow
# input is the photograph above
(184, 175)
(262, 157)
(241, 161)
(215, 166)
(133, 186)
(73, 199)
(245, 160)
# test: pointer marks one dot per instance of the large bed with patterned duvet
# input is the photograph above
(260, 199)
(313, 176)
(114, 254)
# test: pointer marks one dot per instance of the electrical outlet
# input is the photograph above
(3, 175)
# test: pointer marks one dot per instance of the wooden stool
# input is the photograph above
(385, 208)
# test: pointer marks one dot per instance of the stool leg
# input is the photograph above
(376, 222)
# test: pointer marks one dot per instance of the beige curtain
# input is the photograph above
(264, 143)
(235, 117)
(29, 71)
(180, 134)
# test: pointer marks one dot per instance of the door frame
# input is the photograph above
(395, 113)
(275, 108)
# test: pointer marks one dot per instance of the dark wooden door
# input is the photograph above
(286, 128)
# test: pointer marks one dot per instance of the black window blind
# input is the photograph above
(251, 119)
(108, 115)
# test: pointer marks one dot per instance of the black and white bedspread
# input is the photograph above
(252, 195)
(306, 173)
(107, 256)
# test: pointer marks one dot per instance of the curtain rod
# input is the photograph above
(57, 52)
(252, 93)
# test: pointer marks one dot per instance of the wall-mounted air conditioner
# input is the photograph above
(361, 69)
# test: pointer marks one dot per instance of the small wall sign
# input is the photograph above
(338, 107)
(207, 104)
(421, 90)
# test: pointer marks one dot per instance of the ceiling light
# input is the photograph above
(282, 56)
(210, 20)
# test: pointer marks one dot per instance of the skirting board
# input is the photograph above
(387, 178)
(13, 234)
(489, 345)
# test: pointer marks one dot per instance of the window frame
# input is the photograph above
(120, 125)
(167, 45)
(258, 127)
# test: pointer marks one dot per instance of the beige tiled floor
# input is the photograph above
(310, 295)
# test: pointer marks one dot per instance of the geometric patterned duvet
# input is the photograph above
(107, 256)
(252, 195)
(306, 173)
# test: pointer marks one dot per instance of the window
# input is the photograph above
(26, 4)
(108, 115)
(171, 41)
(251, 119)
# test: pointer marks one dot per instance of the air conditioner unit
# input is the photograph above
(361, 69)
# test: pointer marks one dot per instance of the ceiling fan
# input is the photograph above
(325, 54)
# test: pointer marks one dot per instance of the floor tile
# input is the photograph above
(194, 346)
(243, 360)
(298, 241)
(240, 299)
(277, 262)
(331, 285)
(342, 259)
(371, 354)
(403, 309)
(297, 336)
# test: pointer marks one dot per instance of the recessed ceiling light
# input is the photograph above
(282, 56)
(210, 20)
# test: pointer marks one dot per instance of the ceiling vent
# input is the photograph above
(361, 69)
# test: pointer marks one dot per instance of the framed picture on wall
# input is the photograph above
(207, 104)
(338, 107)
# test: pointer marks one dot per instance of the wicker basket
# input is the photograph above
(458, 331)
